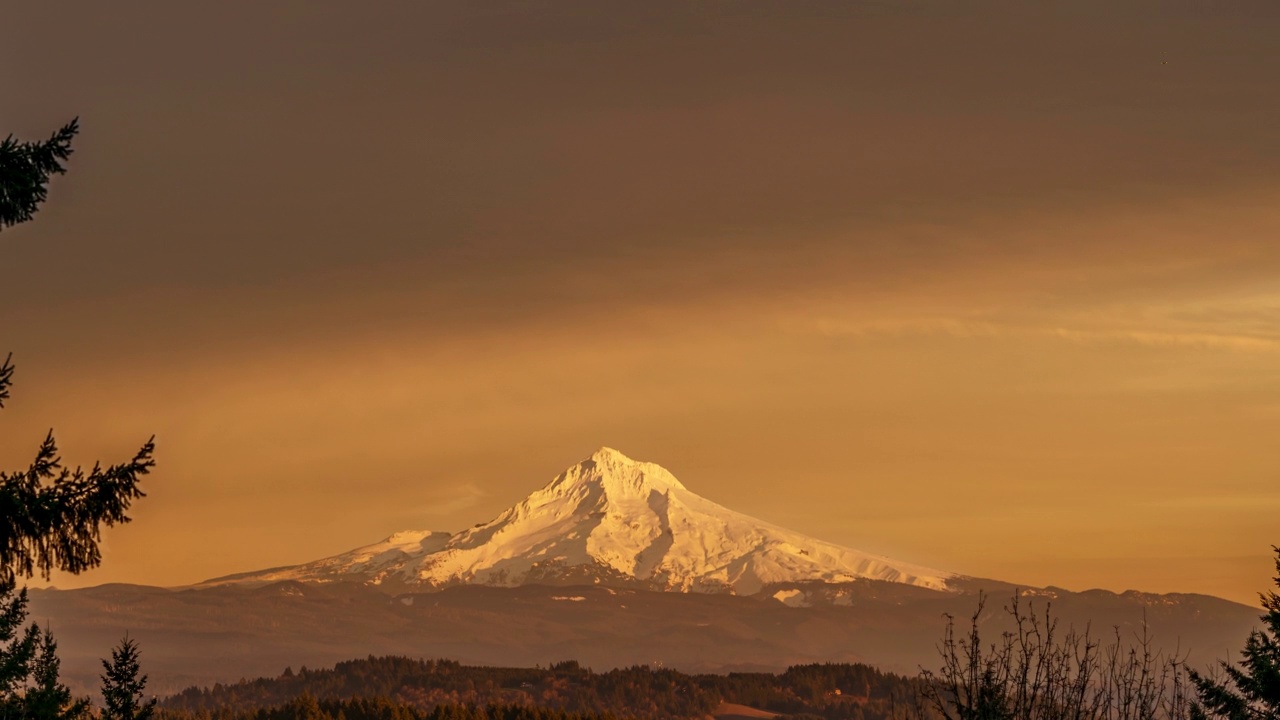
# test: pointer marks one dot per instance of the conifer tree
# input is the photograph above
(1249, 690)
(122, 685)
(48, 698)
(25, 169)
(306, 707)
(51, 516)
(17, 646)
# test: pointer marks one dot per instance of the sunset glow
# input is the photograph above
(994, 292)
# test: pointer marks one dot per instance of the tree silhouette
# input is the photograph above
(51, 516)
(30, 687)
(17, 647)
(1036, 671)
(25, 169)
(1251, 689)
(122, 686)
(48, 698)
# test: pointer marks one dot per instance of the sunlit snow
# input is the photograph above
(614, 518)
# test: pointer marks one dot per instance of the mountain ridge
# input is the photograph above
(607, 520)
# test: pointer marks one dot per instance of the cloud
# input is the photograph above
(1236, 324)
(1202, 340)
(452, 500)
(1230, 502)
(970, 329)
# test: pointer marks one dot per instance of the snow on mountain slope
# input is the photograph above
(610, 519)
(371, 563)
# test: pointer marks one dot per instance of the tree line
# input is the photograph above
(833, 690)
(308, 707)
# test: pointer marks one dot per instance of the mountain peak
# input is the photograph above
(608, 454)
(619, 475)
(613, 519)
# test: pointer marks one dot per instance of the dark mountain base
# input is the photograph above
(198, 637)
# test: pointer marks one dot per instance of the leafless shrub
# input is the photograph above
(1040, 671)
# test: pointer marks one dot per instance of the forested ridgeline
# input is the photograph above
(398, 688)
(307, 707)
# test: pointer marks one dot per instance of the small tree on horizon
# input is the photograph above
(1250, 689)
(122, 685)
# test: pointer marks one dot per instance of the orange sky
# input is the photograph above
(988, 289)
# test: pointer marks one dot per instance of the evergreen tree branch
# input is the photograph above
(51, 517)
(25, 170)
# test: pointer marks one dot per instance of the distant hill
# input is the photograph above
(222, 634)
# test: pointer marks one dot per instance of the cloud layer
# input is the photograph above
(910, 277)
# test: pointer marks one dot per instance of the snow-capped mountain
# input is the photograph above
(610, 520)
